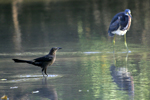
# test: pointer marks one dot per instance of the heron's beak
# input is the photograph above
(130, 15)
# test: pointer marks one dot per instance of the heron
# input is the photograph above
(120, 24)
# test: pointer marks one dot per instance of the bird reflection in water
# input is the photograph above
(47, 91)
(44, 91)
(122, 77)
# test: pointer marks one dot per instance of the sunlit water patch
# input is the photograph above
(34, 76)
(22, 78)
(59, 53)
(91, 52)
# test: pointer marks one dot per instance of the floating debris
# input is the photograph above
(15, 87)
(80, 90)
(35, 91)
(4, 97)
(3, 79)
(87, 90)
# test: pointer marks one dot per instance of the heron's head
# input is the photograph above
(128, 12)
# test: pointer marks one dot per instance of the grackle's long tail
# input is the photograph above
(22, 61)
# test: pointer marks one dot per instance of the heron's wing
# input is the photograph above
(115, 22)
(44, 58)
(115, 25)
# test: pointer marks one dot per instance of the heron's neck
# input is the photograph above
(126, 14)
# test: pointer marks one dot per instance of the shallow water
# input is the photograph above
(86, 68)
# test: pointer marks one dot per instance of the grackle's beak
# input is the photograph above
(59, 48)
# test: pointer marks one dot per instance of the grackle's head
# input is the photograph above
(53, 50)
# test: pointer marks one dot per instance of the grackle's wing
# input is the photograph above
(44, 58)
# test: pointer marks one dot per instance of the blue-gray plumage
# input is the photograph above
(120, 24)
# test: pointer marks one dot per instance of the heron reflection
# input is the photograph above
(122, 77)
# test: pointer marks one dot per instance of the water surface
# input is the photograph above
(86, 68)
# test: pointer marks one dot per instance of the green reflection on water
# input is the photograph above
(78, 27)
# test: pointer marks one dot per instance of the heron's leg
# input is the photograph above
(126, 59)
(125, 43)
(114, 42)
(114, 39)
(114, 49)
(114, 59)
